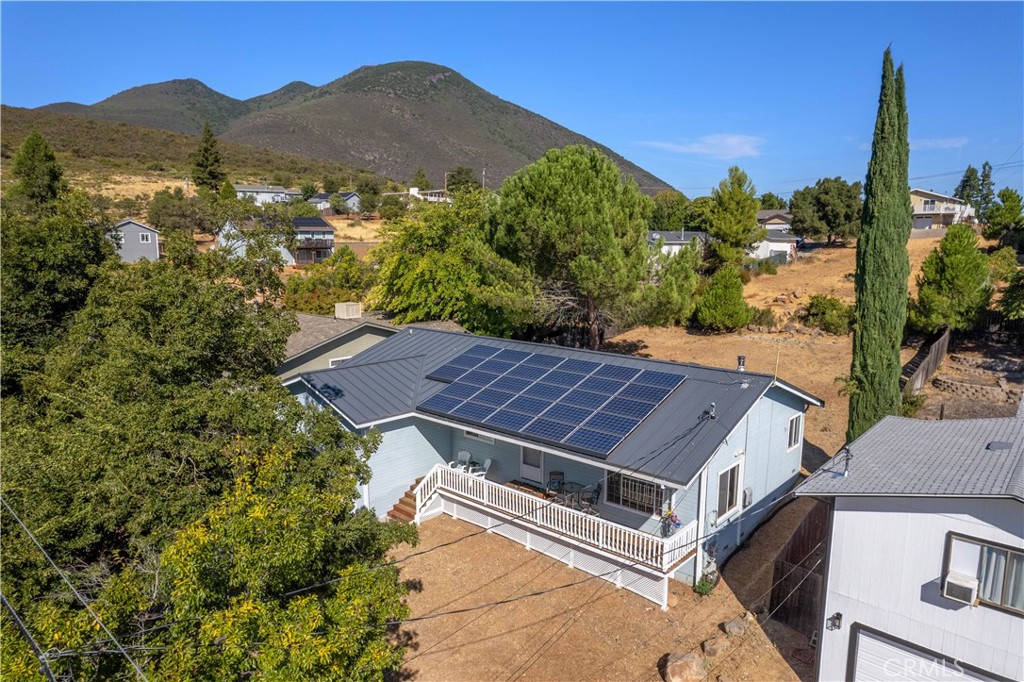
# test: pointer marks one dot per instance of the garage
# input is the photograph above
(880, 658)
(922, 222)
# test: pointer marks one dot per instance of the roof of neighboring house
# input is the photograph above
(260, 188)
(936, 194)
(781, 236)
(768, 214)
(326, 196)
(317, 329)
(312, 222)
(913, 457)
(677, 236)
(137, 223)
(672, 443)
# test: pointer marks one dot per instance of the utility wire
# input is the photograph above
(78, 596)
(44, 665)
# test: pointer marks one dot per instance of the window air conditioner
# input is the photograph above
(961, 588)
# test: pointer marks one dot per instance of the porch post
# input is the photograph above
(702, 502)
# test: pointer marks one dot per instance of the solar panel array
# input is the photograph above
(580, 404)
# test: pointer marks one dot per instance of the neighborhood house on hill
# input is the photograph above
(266, 194)
(937, 210)
(672, 241)
(777, 245)
(924, 564)
(137, 241)
(314, 241)
(322, 201)
(775, 219)
(632, 469)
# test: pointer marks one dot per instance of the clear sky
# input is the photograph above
(787, 91)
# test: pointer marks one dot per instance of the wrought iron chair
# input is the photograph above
(554, 489)
(590, 501)
(461, 460)
(480, 472)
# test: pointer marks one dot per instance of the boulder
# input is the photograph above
(735, 627)
(714, 646)
(749, 617)
(798, 293)
(687, 667)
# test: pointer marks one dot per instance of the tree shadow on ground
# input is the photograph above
(813, 457)
(626, 348)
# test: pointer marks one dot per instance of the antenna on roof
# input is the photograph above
(711, 411)
(846, 463)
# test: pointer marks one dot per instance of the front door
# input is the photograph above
(532, 467)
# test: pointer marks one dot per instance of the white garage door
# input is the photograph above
(922, 223)
(881, 659)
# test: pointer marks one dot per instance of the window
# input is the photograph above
(999, 570)
(795, 430)
(633, 493)
(334, 362)
(728, 491)
(478, 436)
(929, 204)
(145, 237)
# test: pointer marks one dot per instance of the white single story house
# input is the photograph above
(266, 194)
(632, 469)
(924, 564)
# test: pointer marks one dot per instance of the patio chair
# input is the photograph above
(592, 499)
(480, 472)
(555, 480)
(461, 460)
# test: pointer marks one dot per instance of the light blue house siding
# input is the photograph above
(137, 241)
(768, 468)
(409, 449)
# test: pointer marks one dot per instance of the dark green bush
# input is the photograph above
(829, 313)
(763, 317)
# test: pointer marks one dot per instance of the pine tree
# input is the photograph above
(207, 168)
(420, 180)
(954, 284)
(734, 217)
(969, 188)
(986, 193)
(40, 176)
(722, 307)
(882, 263)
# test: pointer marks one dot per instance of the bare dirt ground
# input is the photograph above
(125, 186)
(588, 631)
(346, 229)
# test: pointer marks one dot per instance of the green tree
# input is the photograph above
(773, 202)
(954, 285)
(302, 209)
(986, 193)
(227, 192)
(734, 218)
(669, 207)
(460, 178)
(571, 221)
(173, 211)
(420, 180)
(831, 209)
(697, 214)
(331, 183)
(391, 208)
(969, 188)
(1012, 303)
(308, 190)
(207, 165)
(339, 278)
(1002, 263)
(369, 188)
(721, 307)
(882, 263)
(669, 296)
(1006, 219)
(39, 177)
(339, 204)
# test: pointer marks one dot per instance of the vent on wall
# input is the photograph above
(348, 311)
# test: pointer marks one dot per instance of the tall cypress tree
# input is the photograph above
(882, 263)
(207, 170)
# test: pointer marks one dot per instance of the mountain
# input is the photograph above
(390, 118)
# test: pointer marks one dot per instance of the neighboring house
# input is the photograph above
(632, 438)
(778, 245)
(673, 240)
(324, 342)
(314, 241)
(266, 194)
(137, 241)
(924, 566)
(933, 210)
(775, 219)
(322, 201)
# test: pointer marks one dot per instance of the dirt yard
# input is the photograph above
(588, 631)
(345, 229)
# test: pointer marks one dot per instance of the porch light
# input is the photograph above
(834, 622)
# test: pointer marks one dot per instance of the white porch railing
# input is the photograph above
(642, 548)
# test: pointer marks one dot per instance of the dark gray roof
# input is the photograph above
(677, 236)
(913, 457)
(317, 198)
(768, 213)
(317, 329)
(673, 443)
(781, 236)
(312, 222)
(136, 222)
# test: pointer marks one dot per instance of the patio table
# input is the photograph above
(572, 491)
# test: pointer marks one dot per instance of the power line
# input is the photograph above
(78, 596)
(44, 666)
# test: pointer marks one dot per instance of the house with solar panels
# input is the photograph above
(631, 469)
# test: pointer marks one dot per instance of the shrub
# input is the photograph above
(745, 276)
(1003, 264)
(763, 317)
(911, 404)
(704, 586)
(829, 313)
(767, 267)
(722, 307)
(953, 287)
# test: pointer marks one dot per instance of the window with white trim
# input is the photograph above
(478, 436)
(796, 430)
(728, 491)
(999, 570)
(145, 237)
(634, 493)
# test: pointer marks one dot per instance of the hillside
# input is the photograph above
(390, 118)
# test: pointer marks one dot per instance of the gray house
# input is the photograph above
(322, 201)
(924, 562)
(137, 241)
(631, 469)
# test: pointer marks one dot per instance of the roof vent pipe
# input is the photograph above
(741, 363)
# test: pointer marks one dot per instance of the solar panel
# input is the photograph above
(586, 399)
(459, 391)
(525, 371)
(473, 410)
(561, 378)
(660, 379)
(529, 405)
(482, 350)
(538, 360)
(593, 440)
(447, 373)
(507, 419)
(489, 396)
(467, 361)
(546, 391)
(611, 423)
(496, 366)
(599, 385)
(580, 366)
(440, 403)
(649, 394)
(614, 372)
(628, 408)
(510, 355)
(567, 413)
(507, 383)
(478, 378)
(551, 430)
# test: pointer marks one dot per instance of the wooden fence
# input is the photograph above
(798, 574)
(923, 365)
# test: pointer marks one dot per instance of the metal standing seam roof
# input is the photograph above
(673, 443)
(913, 457)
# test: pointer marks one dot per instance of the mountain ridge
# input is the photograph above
(391, 118)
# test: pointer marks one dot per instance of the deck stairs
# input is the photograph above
(405, 510)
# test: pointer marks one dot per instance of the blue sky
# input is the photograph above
(786, 91)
